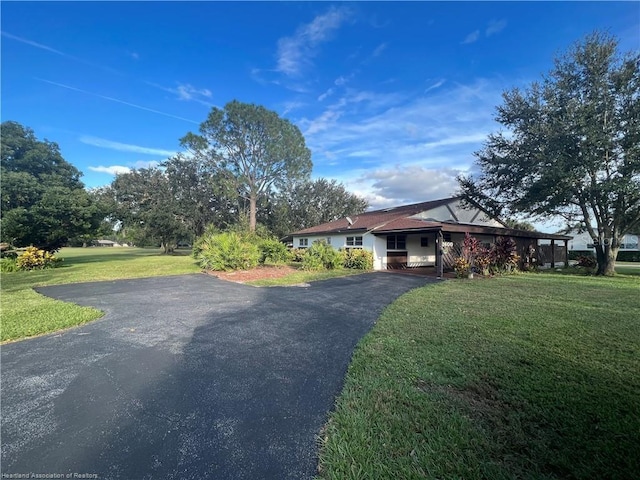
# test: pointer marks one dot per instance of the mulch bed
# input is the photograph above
(258, 273)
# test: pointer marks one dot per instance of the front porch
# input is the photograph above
(435, 249)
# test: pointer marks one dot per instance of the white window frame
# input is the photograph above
(303, 243)
(355, 242)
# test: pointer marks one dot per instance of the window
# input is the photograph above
(304, 243)
(446, 237)
(424, 241)
(354, 241)
(396, 242)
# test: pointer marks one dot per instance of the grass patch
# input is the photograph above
(26, 313)
(304, 276)
(529, 376)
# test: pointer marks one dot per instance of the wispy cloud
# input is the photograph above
(296, 51)
(47, 48)
(124, 147)
(472, 37)
(112, 170)
(438, 84)
(495, 26)
(322, 97)
(187, 92)
(378, 50)
(410, 130)
(111, 99)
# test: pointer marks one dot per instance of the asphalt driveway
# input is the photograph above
(187, 377)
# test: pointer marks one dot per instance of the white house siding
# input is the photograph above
(583, 241)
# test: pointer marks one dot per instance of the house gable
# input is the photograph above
(455, 212)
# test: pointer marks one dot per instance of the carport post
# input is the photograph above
(439, 265)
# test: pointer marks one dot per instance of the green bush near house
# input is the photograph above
(320, 256)
(273, 251)
(357, 258)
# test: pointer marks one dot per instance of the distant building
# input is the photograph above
(583, 242)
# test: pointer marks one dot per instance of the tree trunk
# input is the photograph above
(252, 212)
(606, 256)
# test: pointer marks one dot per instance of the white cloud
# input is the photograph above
(391, 148)
(297, 51)
(378, 50)
(438, 84)
(495, 26)
(134, 55)
(400, 184)
(187, 92)
(112, 170)
(124, 147)
(472, 37)
(326, 95)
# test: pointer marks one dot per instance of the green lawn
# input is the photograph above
(26, 313)
(531, 376)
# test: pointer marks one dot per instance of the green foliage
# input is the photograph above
(574, 254)
(228, 251)
(357, 259)
(147, 209)
(569, 147)
(8, 264)
(273, 251)
(321, 256)
(252, 148)
(297, 254)
(310, 203)
(43, 201)
(34, 258)
(628, 256)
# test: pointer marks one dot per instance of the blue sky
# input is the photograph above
(392, 98)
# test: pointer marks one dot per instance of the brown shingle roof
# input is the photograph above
(375, 218)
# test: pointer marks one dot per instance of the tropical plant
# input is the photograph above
(227, 251)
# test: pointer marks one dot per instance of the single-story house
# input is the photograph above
(428, 234)
(582, 241)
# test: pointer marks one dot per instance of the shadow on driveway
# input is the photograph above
(187, 377)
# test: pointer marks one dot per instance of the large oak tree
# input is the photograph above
(255, 149)
(571, 147)
(44, 203)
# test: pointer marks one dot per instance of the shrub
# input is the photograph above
(628, 256)
(503, 256)
(357, 259)
(8, 265)
(461, 266)
(297, 254)
(209, 232)
(321, 256)
(587, 261)
(227, 251)
(36, 259)
(273, 251)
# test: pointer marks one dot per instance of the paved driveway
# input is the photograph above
(187, 377)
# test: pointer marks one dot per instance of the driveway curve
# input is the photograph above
(186, 377)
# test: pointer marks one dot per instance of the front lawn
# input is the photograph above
(529, 376)
(26, 313)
